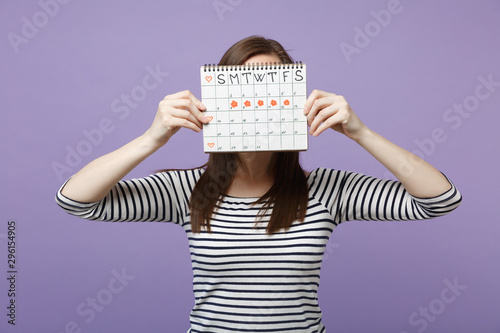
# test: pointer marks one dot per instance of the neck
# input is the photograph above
(256, 165)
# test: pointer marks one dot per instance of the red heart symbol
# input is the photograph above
(208, 78)
(211, 144)
(210, 118)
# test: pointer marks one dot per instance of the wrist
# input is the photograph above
(151, 143)
(363, 135)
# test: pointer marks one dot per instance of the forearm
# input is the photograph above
(418, 177)
(94, 181)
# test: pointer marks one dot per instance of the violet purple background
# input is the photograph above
(375, 275)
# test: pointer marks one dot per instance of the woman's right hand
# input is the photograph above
(177, 110)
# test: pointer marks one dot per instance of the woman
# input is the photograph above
(257, 223)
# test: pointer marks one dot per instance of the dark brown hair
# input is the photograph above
(288, 195)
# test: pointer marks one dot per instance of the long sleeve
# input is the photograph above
(161, 197)
(354, 196)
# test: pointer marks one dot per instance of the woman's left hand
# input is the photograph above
(324, 110)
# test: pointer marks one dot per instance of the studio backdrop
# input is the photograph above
(80, 79)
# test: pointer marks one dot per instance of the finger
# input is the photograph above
(188, 95)
(182, 122)
(179, 113)
(310, 100)
(187, 104)
(177, 95)
(323, 102)
(317, 106)
(314, 95)
(196, 107)
(338, 118)
(323, 115)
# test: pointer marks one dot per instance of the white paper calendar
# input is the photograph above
(254, 107)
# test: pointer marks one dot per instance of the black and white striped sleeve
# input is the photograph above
(160, 197)
(354, 196)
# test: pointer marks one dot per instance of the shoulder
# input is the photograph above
(321, 176)
(182, 175)
(320, 171)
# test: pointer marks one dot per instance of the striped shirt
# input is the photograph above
(245, 280)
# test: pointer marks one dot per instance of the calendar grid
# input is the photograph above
(253, 116)
(216, 123)
(280, 110)
(267, 114)
(258, 108)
